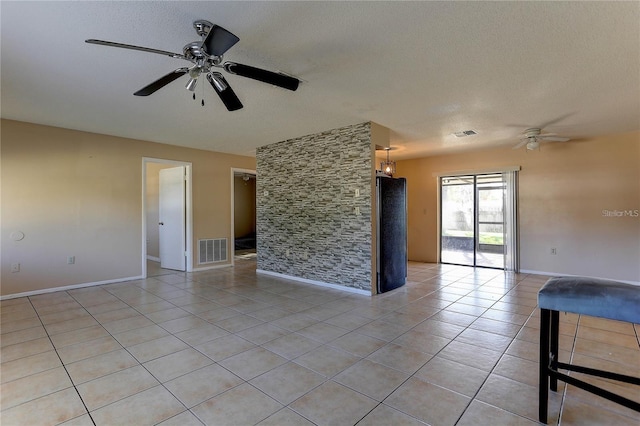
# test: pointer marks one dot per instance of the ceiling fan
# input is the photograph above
(206, 56)
(532, 138)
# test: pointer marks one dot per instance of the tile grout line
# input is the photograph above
(287, 330)
(468, 327)
(566, 385)
(327, 378)
(134, 357)
(61, 362)
(213, 361)
(122, 347)
(492, 371)
(239, 291)
(186, 409)
(473, 398)
(436, 354)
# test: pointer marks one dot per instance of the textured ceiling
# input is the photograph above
(423, 69)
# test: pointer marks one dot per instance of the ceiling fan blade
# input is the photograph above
(227, 96)
(543, 125)
(277, 79)
(553, 139)
(218, 41)
(161, 82)
(132, 47)
(556, 120)
(522, 143)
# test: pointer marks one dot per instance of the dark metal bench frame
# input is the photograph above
(549, 366)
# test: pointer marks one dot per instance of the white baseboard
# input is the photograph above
(558, 274)
(155, 259)
(319, 283)
(68, 287)
(206, 268)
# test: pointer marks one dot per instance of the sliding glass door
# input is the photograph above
(457, 219)
(490, 191)
(477, 220)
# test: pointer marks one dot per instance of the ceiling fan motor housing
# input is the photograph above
(533, 132)
(194, 51)
(202, 27)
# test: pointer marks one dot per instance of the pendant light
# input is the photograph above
(388, 167)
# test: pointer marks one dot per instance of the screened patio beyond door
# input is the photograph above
(476, 220)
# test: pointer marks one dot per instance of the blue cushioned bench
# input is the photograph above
(585, 296)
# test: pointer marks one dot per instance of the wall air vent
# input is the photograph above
(465, 133)
(214, 250)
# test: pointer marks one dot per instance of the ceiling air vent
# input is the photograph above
(465, 133)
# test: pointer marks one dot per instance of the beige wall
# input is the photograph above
(244, 199)
(564, 188)
(80, 194)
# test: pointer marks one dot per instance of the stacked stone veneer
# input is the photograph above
(306, 221)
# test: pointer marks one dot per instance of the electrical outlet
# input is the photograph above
(553, 251)
(357, 211)
(71, 260)
(15, 267)
(288, 252)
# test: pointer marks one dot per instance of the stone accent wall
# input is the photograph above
(306, 207)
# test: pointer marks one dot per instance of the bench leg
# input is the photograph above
(555, 332)
(543, 397)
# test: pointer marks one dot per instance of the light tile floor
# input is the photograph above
(456, 345)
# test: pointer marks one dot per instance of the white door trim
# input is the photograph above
(188, 205)
(232, 244)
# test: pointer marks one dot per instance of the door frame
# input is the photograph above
(188, 203)
(438, 177)
(232, 240)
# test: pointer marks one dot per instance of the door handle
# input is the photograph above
(161, 223)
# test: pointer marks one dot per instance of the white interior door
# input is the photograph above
(172, 216)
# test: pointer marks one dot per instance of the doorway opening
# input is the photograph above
(243, 207)
(478, 220)
(166, 217)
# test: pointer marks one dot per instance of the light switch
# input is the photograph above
(357, 192)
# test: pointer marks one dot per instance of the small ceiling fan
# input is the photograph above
(532, 138)
(206, 56)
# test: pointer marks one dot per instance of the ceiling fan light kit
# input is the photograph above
(533, 144)
(206, 56)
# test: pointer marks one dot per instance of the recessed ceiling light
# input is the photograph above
(465, 133)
